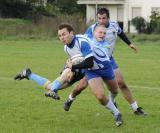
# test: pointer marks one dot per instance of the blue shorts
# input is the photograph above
(113, 63)
(106, 73)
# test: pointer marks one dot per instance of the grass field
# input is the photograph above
(24, 109)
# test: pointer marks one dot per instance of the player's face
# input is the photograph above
(100, 33)
(65, 36)
(102, 19)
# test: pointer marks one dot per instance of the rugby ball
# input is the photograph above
(77, 59)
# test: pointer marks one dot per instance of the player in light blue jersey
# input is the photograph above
(112, 31)
(96, 65)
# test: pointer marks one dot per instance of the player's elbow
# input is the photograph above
(89, 62)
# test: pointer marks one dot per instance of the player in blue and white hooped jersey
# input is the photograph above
(101, 59)
(112, 31)
(96, 65)
(100, 70)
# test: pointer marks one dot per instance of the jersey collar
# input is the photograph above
(107, 25)
(71, 45)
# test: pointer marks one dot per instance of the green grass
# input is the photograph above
(24, 109)
(14, 22)
(18, 29)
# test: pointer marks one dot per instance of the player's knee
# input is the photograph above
(83, 86)
(122, 84)
(114, 91)
(101, 98)
(66, 75)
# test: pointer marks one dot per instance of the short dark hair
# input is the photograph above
(67, 26)
(103, 11)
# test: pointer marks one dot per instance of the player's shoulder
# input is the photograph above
(81, 37)
(92, 26)
(83, 41)
(113, 23)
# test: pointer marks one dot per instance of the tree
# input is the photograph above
(14, 8)
(38, 2)
(155, 21)
(139, 23)
(68, 6)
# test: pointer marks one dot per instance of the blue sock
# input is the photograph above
(38, 79)
(56, 85)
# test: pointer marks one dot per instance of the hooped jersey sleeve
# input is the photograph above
(116, 26)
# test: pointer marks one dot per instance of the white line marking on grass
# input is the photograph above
(146, 87)
(6, 78)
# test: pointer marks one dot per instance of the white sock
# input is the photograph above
(112, 107)
(112, 96)
(71, 98)
(134, 106)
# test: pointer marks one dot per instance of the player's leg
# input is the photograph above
(27, 74)
(124, 88)
(83, 83)
(96, 85)
(110, 81)
(113, 89)
(127, 93)
(61, 82)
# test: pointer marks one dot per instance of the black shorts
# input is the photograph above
(77, 76)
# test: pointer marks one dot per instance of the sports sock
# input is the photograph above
(56, 85)
(134, 106)
(38, 79)
(71, 98)
(112, 107)
(112, 96)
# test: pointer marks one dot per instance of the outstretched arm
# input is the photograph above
(123, 36)
(133, 47)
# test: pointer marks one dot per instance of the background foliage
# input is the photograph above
(142, 26)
